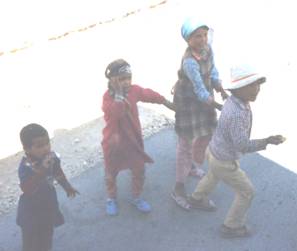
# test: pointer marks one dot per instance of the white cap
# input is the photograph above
(242, 76)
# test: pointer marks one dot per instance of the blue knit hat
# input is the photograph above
(190, 25)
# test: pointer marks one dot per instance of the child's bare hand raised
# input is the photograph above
(48, 161)
(116, 85)
(121, 85)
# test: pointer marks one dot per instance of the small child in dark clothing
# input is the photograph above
(38, 210)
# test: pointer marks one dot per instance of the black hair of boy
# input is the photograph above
(31, 132)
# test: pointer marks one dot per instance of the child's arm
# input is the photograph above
(30, 179)
(216, 82)
(170, 105)
(31, 174)
(220, 89)
(70, 191)
(148, 95)
(241, 136)
(192, 70)
(62, 180)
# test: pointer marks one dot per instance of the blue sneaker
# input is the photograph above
(141, 205)
(111, 207)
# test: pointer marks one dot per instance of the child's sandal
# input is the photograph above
(241, 232)
(205, 205)
(197, 172)
(181, 201)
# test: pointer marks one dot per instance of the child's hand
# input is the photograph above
(275, 140)
(116, 85)
(218, 106)
(71, 192)
(169, 105)
(48, 161)
(224, 94)
(220, 89)
(212, 103)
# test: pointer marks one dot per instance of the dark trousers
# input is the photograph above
(38, 238)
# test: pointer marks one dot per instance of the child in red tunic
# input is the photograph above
(122, 137)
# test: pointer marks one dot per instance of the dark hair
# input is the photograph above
(31, 132)
(117, 67)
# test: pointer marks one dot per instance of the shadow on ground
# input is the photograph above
(272, 215)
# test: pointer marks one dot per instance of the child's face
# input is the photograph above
(123, 82)
(198, 39)
(40, 148)
(249, 93)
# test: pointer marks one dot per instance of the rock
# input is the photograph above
(77, 140)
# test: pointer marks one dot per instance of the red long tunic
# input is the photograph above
(122, 136)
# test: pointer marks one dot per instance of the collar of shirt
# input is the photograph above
(202, 54)
(241, 104)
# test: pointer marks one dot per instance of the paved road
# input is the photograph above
(272, 215)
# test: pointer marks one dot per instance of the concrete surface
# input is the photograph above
(272, 214)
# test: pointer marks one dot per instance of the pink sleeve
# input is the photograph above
(148, 95)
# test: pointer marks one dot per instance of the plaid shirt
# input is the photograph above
(232, 136)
